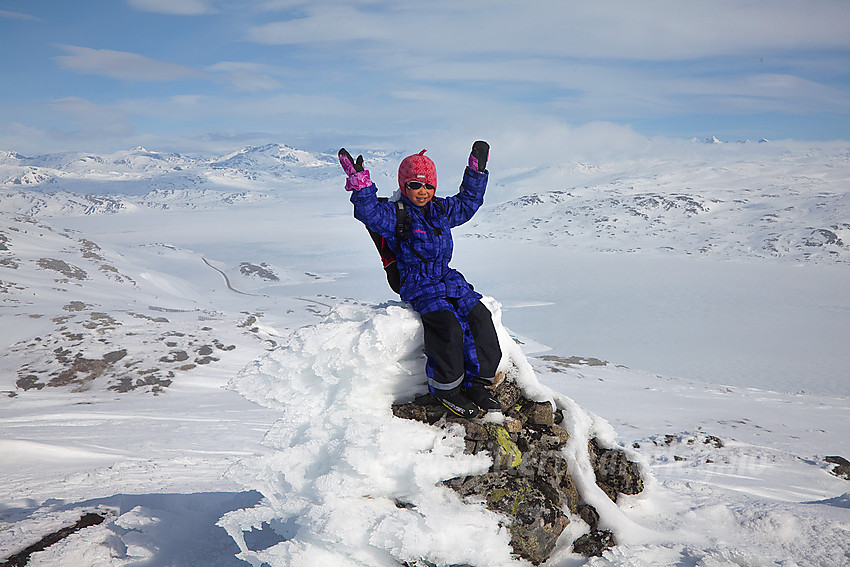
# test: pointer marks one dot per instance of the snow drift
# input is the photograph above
(349, 484)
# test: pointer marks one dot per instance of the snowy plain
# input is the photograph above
(691, 294)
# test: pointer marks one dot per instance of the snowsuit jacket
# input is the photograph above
(423, 258)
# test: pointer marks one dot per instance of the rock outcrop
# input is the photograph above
(529, 481)
(841, 468)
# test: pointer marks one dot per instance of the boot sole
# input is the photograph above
(459, 411)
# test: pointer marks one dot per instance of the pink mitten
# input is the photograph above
(358, 178)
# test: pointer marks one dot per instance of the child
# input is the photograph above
(459, 370)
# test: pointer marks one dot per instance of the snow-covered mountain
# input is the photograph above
(271, 158)
(800, 218)
(739, 201)
(137, 172)
(145, 298)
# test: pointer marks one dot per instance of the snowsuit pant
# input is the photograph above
(461, 345)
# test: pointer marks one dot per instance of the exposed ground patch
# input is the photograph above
(22, 557)
(123, 351)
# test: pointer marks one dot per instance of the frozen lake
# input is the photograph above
(747, 324)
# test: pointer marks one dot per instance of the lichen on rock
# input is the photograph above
(529, 481)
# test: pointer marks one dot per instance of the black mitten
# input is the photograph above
(478, 157)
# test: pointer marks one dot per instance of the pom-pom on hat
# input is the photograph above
(417, 167)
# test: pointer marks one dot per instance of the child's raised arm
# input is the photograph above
(377, 216)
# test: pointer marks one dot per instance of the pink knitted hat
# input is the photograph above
(417, 167)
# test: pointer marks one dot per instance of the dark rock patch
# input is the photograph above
(29, 382)
(22, 557)
(615, 474)
(529, 481)
(77, 306)
(80, 371)
(559, 363)
(842, 466)
(114, 356)
(68, 270)
(262, 271)
(594, 543)
(175, 356)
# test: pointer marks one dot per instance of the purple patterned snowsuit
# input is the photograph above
(460, 339)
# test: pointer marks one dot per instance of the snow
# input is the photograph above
(257, 428)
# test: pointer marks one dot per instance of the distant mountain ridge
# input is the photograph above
(78, 183)
(140, 163)
(750, 200)
(629, 220)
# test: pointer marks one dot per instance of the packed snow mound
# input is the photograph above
(349, 484)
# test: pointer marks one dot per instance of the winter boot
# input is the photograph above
(481, 396)
(458, 404)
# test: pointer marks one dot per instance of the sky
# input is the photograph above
(213, 76)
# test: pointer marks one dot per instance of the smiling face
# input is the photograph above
(420, 194)
(417, 178)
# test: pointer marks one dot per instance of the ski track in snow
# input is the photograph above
(257, 426)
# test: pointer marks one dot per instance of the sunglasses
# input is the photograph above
(416, 185)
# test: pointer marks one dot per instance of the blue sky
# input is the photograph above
(211, 76)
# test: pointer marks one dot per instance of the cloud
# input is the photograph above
(250, 77)
(18, 16)
(383, 73)
(661, 30)
(174, 7)
(321, 26)
(774, 92)
(124, 65)
(591, 61)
